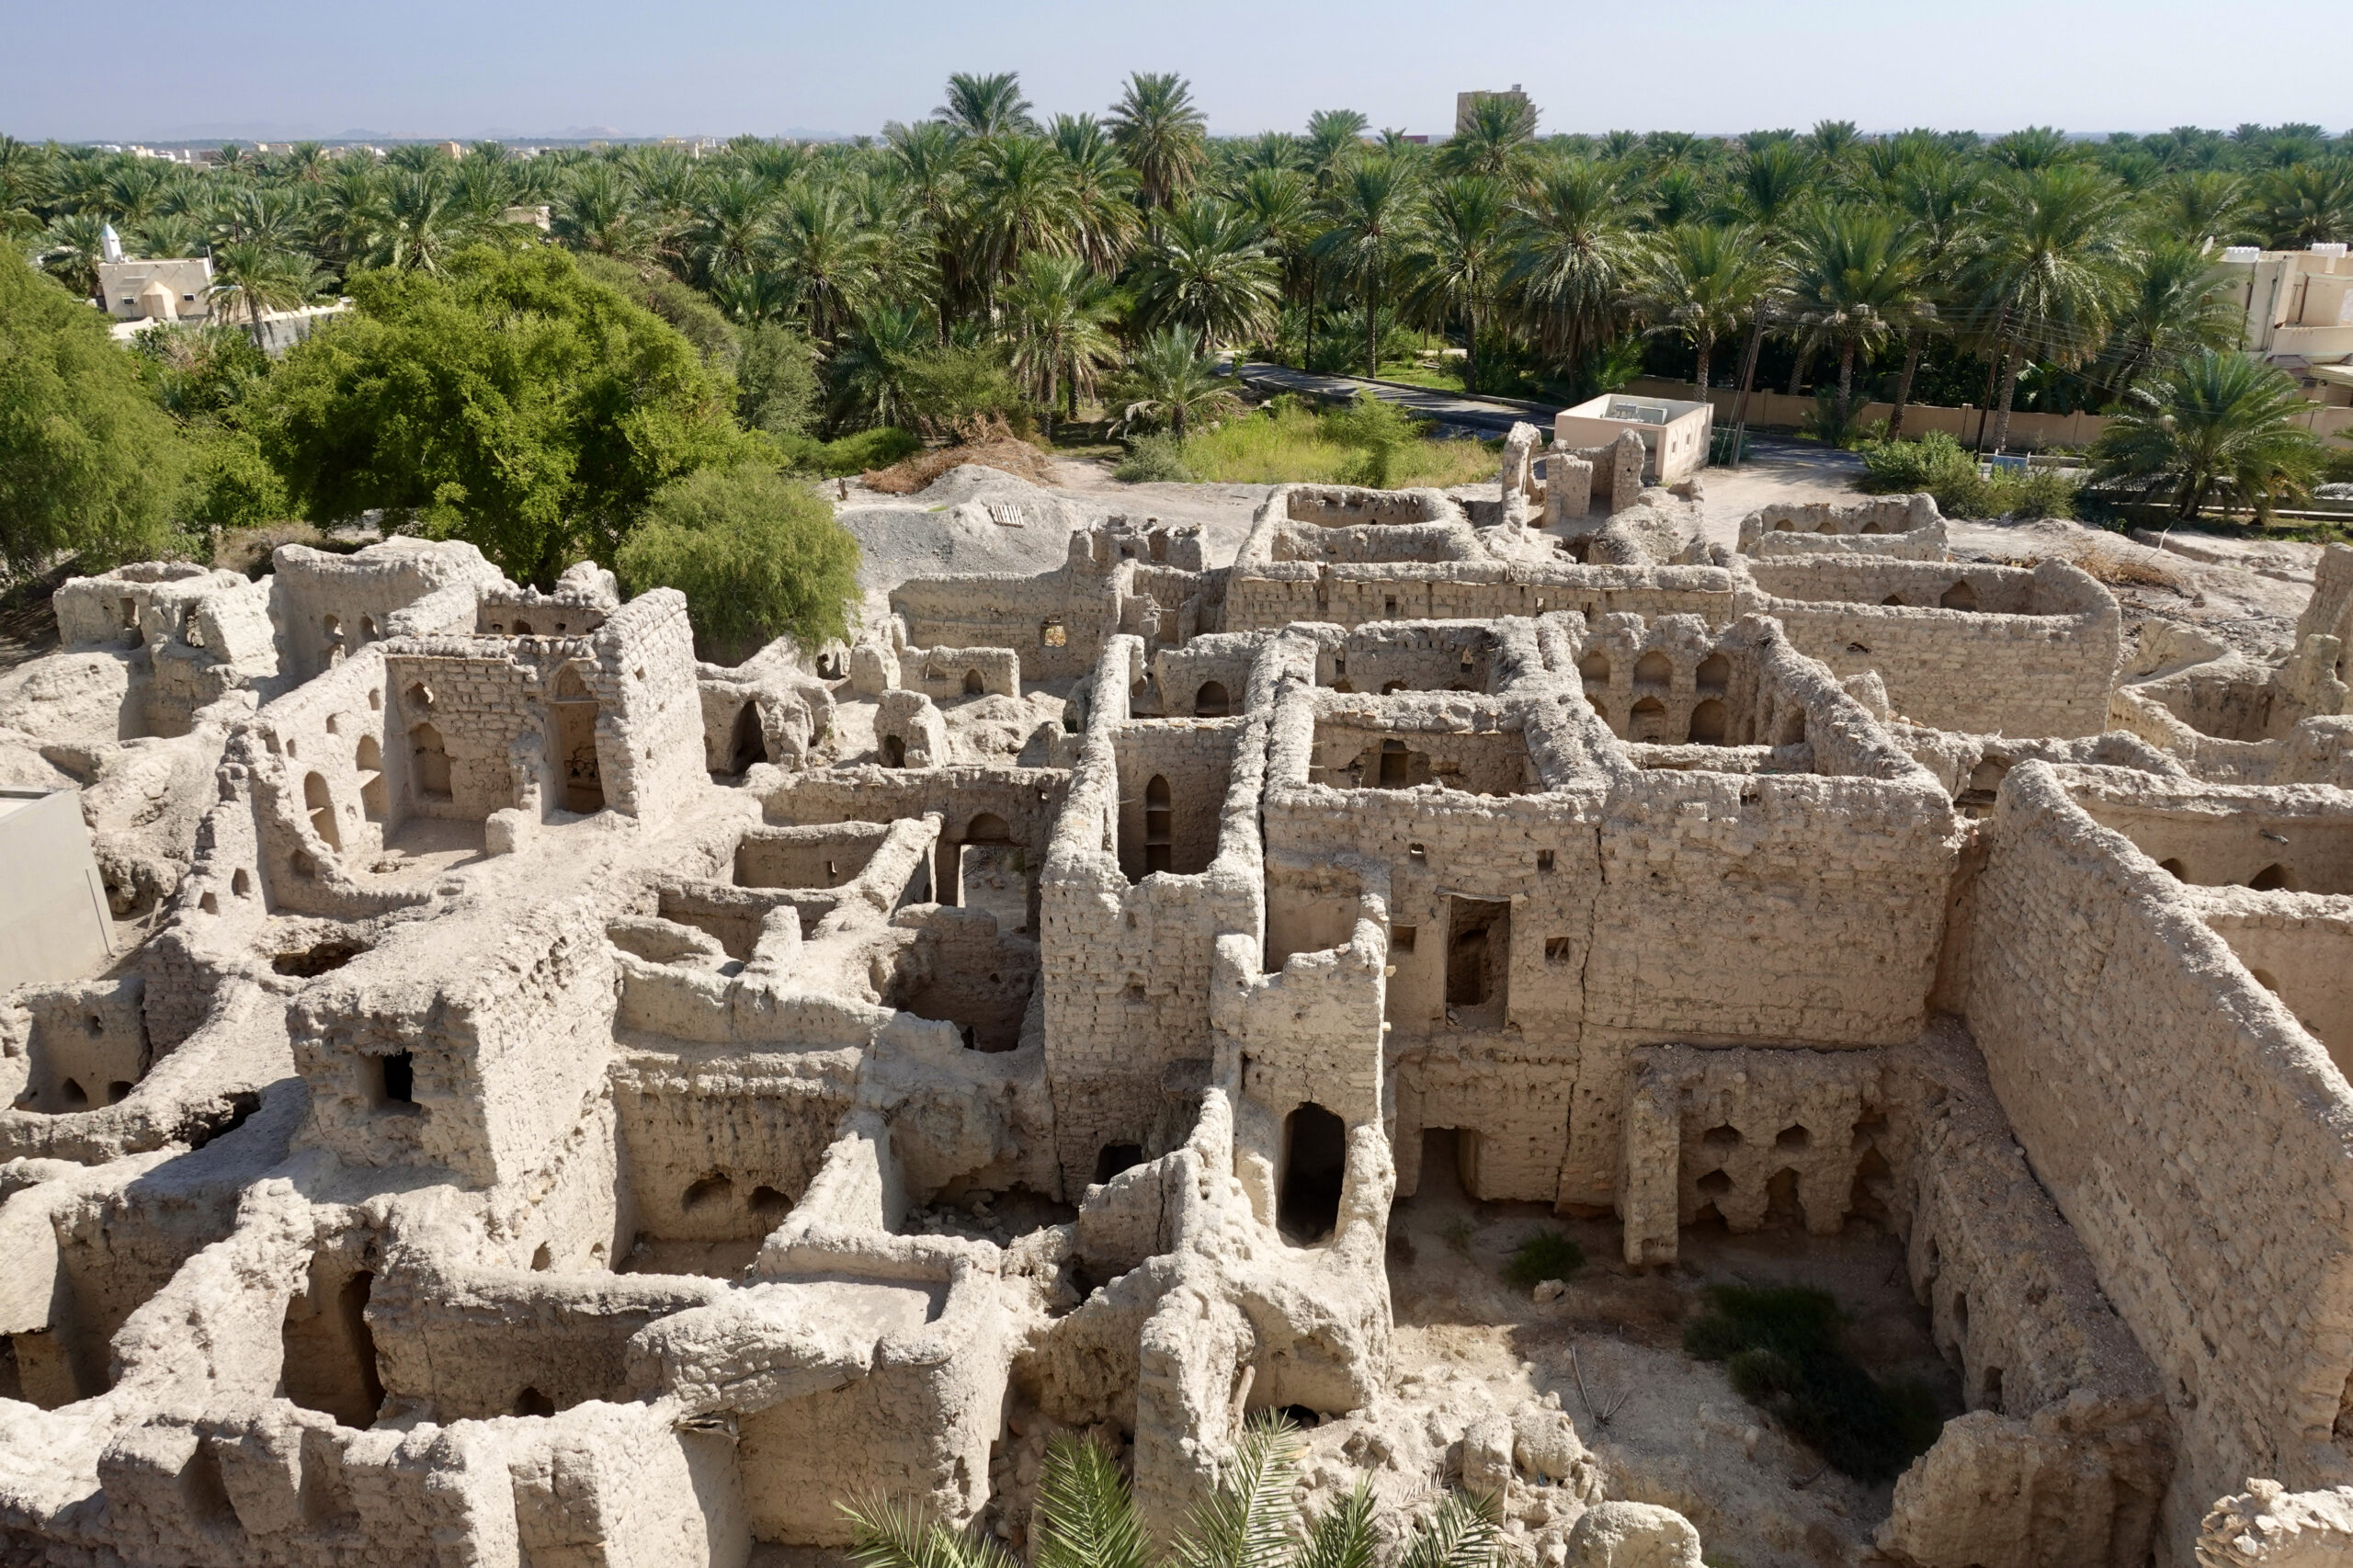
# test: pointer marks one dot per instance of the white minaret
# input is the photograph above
(109, 244)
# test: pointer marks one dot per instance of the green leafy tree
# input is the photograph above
(2175, 303)
(758, 556)
(1087, 1518)
(2216, 427)
(1058, 317)
(513, 402)
(1164, 137)
(829, 262)
(88, 464)
(775, 380)
(869, 377)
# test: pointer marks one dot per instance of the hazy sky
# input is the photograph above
(271, 68)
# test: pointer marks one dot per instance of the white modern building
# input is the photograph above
(2299, 313)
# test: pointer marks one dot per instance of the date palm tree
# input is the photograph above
(1169, 382)
(1161, 133)
(250, 277)
(71, 250)
(2201, 207)
(418, 220)
(1574, 255)
(1935, 195)
(870, 375)
(1498, 140)
(1086, 1517)
(929, 162)
(1277, 205)
(1854, 283)
(985, 107)
(730, 230)
(1334, 140)
(1021, 190)
(1456, 273)
(2216, 425)
(1700, 281)
(2306, 203)
(1205, 269)
(1376, 220)
(829, 261)
(1058, 318)
(1102, 212)
(597, 211)
(2047, 273)
(2175, 303)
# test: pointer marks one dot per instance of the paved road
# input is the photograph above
(1488, 416)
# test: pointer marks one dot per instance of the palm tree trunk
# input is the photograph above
(1470, 350)
(1904, 384)
(1748, 371)
(1307, 346)
(1846, 381)
(1798, 369)
(1699, 372)
(2007, 373)
(1372, 331)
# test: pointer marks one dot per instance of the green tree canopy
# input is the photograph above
(88, 461)
(508, 401)
(756, 555)
(2217, 426)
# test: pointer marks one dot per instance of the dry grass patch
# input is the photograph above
(988, 442)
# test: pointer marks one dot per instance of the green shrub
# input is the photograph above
(2337, 468)
(1153, 460)
(1378, 432)
(1547, 1254)
(955, 391)
(755, 554)
(1780, 1347)
(1946, 470)
(852, 454)
(775, 381)
(229, 486)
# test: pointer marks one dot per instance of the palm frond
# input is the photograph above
(1461, 1535)
(1347, 1536)
(1245, 1523)
(1085, 1517)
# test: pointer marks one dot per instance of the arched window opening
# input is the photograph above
(2175, 867)
(973, 685)
(429, 763)
(1708, 723)
(1961, 596)
(1315, 1162)
(1714, 672)
(1212, 701)
(522, 627)
(1115, 1158)
(1653, 669)
(745, 744)
(321, 805)
(2274, 878)
(1159, 844)
(1893, 599)
(1394, 763)
(419, 698)
(1648, 722)
(895, 752)
(1594, 668)
(987, 828)
(368, 760)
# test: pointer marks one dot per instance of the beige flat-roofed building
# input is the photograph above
(2299, 309)
(174, 289)
(1675, 432)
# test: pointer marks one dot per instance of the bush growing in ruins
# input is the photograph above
(1087, 1518)
(1547, 1254)
(510, 402)
(88, 463)
(1944, 469)
(1780, 1347)
(755, 554)
(1154, 459)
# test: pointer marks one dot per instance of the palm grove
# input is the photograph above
(632, 389)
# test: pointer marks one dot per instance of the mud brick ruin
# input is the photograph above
(581, 1106)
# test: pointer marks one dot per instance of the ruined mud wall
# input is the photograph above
(2035, 657)
(2136, 1061)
